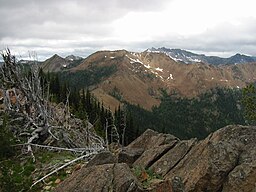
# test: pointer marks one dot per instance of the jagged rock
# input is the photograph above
(150, 139)
(217, 160)
(224, 161)
(105, 157)
(172, 157)
(160, 186)
(144, 140)
(150, 156)
(178, 185)
(101, 178)
(241, 178)
(129, 155)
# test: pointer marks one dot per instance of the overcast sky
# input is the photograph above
(81, 27)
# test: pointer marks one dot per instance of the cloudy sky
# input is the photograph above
(81, 27)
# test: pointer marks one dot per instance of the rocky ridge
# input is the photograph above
(139, 76)
(189, 57)
(224, 161)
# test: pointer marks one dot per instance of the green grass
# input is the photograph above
(19, 173)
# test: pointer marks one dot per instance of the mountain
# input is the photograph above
(56, 63)
(139, 77)
(189, 57)
(133, 80)
(73, 57)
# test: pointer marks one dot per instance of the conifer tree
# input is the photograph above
(249, 103)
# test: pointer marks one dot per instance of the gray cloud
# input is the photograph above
(82, 27)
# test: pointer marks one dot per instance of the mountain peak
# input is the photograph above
(56, 56)
(180, 55)
(73, 57)
(54, 64)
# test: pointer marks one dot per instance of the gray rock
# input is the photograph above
(213, 163)
(224, 161)
(150, 156)
(172, 157)
(101, 178)
(150, 139)
(178, 185)
(105, 157)
(129, 155)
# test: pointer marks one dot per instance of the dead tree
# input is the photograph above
(45, 122)
(111, 132)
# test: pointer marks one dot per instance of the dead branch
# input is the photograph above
(44, 122)
(63, 166)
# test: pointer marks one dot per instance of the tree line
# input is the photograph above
(86, 106)
(180, 116)
(192, 117)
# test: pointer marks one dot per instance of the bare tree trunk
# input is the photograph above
(24, 94)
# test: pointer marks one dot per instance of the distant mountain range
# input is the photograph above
(189, 57)
(57, 63)
(117, 76)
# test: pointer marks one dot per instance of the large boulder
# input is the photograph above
(172, 157)
(243, 176)
(150, 139)
(150, 156)
(104, 157)
(129, 155)
(160, 186)
(223, 161)
(101, 178)
(147, 141)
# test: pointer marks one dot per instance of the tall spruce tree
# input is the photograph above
(249, 103)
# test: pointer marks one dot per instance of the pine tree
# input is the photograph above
(249, 103)
(6, 140)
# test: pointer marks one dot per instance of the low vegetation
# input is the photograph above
(145, 176)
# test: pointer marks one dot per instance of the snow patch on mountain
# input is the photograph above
(190, 58)
(170, 77)
(134, 60)
(159, 69)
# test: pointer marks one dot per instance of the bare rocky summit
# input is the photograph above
(224, 161)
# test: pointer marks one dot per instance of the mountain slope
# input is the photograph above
(54, 64)
(189, 57)
(140, 77)
(132, 81)
(57, 63)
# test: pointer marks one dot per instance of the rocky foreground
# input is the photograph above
(224, 161)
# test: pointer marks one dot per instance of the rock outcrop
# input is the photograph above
(107, 177)
(224, 161)
(147, 145)
(102, 158)
(215, 163)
